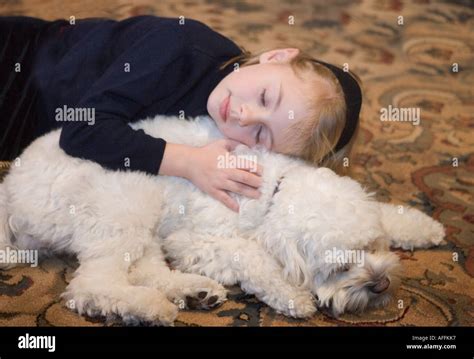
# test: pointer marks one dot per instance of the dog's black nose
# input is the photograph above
(381, 286)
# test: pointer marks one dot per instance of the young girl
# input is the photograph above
(94, 76)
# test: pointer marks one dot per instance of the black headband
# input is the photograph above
(353, 98)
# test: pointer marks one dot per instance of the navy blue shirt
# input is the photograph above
(125, 71)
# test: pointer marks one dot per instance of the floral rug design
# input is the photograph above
(405, 53)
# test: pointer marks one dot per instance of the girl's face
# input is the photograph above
(257, 103)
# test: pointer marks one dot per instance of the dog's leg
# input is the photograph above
(5, 232)
(187, 290)
(100, 287)
(234, 260)
(409, 228)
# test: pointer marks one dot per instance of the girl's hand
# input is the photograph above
(205, 170)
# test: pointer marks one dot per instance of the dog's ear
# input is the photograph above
(325, 270)
(295, 266)
(303, 258)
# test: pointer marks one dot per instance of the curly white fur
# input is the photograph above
(122, 224)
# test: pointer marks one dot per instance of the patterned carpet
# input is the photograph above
(430, 166)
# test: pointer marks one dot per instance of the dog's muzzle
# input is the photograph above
(381, 286)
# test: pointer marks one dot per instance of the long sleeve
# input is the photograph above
(119, 72)
(137, 77)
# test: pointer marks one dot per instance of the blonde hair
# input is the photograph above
(313, 137)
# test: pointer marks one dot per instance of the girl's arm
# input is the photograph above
(140, 75)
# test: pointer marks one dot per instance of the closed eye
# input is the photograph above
(262, 97)
(257, 138)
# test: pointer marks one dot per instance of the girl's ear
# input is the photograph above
(278, 55)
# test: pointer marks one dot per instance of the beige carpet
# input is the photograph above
(430, 166)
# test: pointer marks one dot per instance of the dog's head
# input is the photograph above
(368, 282)
(313, 214)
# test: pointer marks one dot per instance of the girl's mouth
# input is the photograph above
(224, 108)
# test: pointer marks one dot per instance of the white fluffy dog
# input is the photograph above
(289, 247)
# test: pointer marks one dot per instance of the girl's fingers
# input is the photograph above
(227, 200)
(242, 189)
(243, 163)
(251, 166)
(245, 177)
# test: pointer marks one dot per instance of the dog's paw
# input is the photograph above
(198, 292)
(414, 229)
(152, 309)
(437, 234)
(165, 316)
(431, 234)
(301, 305)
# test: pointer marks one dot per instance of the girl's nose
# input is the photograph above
(247, 117)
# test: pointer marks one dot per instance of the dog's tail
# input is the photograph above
(5, 233)
(409, 228)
